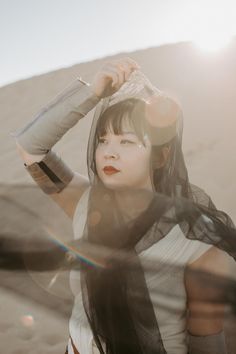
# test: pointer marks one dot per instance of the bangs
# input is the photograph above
(128, 113)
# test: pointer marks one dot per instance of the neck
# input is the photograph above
(133, 202)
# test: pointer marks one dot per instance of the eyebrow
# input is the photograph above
(129, 133)
(125, 132)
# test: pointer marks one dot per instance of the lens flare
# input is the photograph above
(27, 320)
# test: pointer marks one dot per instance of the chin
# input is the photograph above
(109, 181)
(114, 186)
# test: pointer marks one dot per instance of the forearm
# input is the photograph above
(54, 120)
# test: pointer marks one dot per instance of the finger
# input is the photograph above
(119, 72)
(130, 65)
(111, 74)
(126, 69)
(121, 76)
(133, 64)
(125, 64)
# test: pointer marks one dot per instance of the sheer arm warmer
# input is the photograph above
(57, 118)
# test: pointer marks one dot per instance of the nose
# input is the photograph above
(111, 153)
(113, 156)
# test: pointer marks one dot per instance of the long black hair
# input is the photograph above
(115, 297)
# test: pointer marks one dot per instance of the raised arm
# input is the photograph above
(36, 139)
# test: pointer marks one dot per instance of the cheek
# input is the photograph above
(145, 155)
(97, 157)
(146, 159)
(98, 163)
(141, 161)
(146, 163)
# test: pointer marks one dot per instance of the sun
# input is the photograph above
(212, 43)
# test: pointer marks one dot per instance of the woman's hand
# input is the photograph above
(112, 76)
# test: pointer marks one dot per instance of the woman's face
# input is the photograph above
(123, 160)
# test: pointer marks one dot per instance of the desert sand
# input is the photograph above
(34, 316)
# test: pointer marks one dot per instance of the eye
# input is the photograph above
(101, 140)
(126, 142)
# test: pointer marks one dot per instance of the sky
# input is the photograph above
(38, 36)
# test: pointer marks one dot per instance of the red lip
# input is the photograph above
(109, 170)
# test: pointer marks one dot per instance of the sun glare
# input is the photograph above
(212, 43)
(211, 24)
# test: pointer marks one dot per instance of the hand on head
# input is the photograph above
(112, 76)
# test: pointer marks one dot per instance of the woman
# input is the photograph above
(134, 152)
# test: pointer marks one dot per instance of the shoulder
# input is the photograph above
(214, 260)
